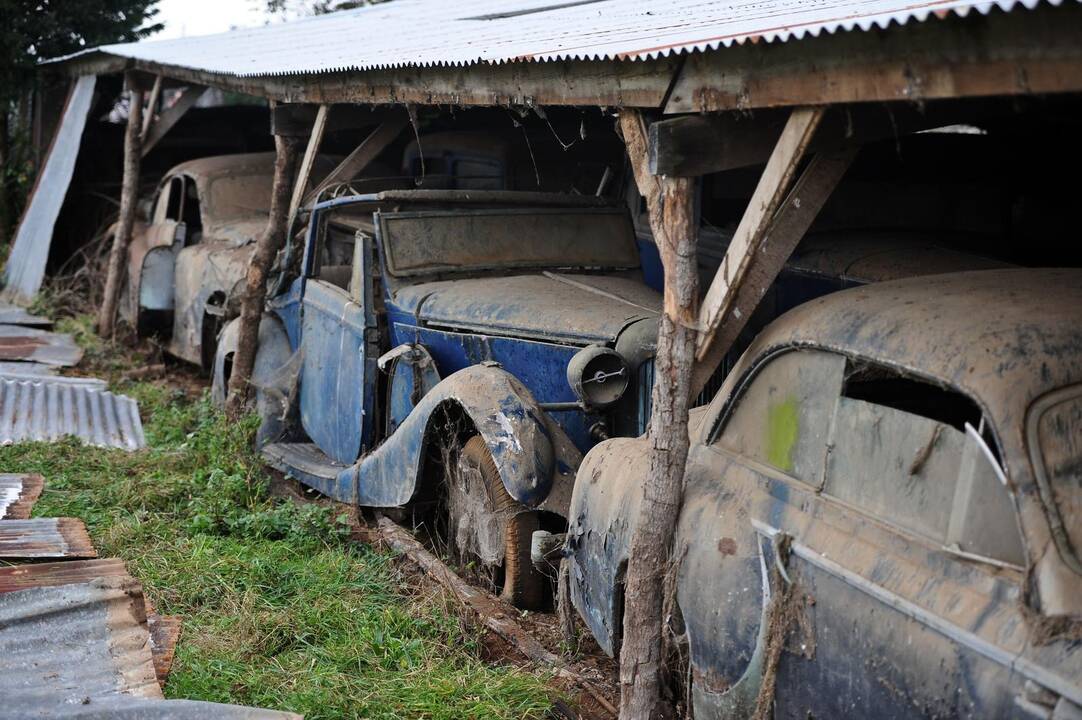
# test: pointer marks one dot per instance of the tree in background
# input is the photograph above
(299, 8)
(33, 30)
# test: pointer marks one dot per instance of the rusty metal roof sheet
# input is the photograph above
(43, 538)
(15, 315)
(18, 493)
(421, 33)
(18, 342)
(53, 574)
(82, 650)
(52, 408)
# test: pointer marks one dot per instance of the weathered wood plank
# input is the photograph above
(790, 223)
(305, 172)
(152, 106)
(750, 233)
(1022, 52)
(355, 163)
(171, 116)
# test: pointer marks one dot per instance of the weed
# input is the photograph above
(280, 610)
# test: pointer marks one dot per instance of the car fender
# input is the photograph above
(273, 375)
(536, 461)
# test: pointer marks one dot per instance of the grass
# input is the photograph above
(279, 608)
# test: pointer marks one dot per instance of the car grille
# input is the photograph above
(646, 391)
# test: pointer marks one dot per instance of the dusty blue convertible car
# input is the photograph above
(455, 352)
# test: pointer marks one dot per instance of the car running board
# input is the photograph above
(303, 461)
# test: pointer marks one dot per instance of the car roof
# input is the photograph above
(241, 164)
(1005, 337)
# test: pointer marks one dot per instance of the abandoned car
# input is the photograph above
(492, 334)
(881, 513)
(190, 251)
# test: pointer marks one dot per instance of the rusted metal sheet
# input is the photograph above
(25, 267)
(49, 410)
(26, 343)
(18, 493)
(71, 572)
(43, 538)
(15, 315)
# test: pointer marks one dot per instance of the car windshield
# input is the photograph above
(238, 196)
(437, 242)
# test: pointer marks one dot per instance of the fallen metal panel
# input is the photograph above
(53, 574)
(83, 651)
(18, 493)
(45, 538)
(26, 370)
(18, 342)
(47, 410)
(26, 264)
(416, 33)
(12, 371)
(15, 315)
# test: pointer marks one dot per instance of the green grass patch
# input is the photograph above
(280, 610)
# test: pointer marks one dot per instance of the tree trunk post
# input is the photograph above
(129, 191)
(670, 202)
(255, 290)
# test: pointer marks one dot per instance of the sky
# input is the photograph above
(201, 17)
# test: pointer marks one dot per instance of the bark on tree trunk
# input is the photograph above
(129, 191)
(255, 291)
(670, 204)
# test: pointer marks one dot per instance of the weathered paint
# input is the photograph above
(18, 342)
(886, 618)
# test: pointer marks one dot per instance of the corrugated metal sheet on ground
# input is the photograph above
(22, 368)
(18, 342)
(15, 315)
(422, 33)
(47, 410)
(83, 651)
(45, 538)
(52, 574)
(18, 493)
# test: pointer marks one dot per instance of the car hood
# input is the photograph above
(581, 309)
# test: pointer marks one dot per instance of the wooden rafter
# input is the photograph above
(355, 163)
(751, 232)
(152, 106)
(171, 116)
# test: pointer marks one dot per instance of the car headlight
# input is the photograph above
(598, 375)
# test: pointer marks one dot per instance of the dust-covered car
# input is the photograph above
(190, 252)
(885, 496)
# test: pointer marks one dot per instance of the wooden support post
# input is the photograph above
(152, 107)
(129, 191)
(255, 290)
(670, 202)
(788, 226)
(309, 160)
(751, 232)
(171, 116)
(355, 163)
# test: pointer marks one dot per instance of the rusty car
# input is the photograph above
(190, 250)
(881, 509)
(474, 341)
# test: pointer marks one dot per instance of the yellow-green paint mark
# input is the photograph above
(782, 429)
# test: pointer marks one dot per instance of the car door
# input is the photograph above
(151, 258)
(339, 344)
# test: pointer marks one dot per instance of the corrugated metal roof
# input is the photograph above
(423, 33)
(45, 538)
(18, 493)
(48, 409)
(53, 574)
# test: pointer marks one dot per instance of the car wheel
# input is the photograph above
(489, 526)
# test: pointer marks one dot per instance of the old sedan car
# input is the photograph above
(884, 497)
(455, 348)
(187, 260)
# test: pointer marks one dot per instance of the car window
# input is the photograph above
(911, 453)
(169, 201)
(1054, 432)
(782, 417)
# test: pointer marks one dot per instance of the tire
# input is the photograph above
(507, 520)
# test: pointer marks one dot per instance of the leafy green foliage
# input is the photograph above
(279, 608)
